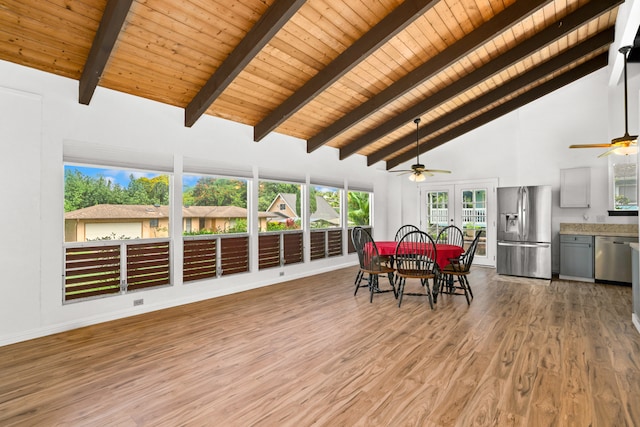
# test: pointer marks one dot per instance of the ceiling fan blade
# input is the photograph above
(590, 146)
(432, 171)
(610, 151)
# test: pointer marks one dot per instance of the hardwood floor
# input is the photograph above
(309, 352)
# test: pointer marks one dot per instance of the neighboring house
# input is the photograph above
(324, 216)
(148, 221)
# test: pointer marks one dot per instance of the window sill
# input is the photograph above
(623, 213)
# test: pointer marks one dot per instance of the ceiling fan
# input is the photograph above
(626, 144)
(418, 170)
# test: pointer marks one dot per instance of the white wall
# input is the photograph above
(40, 111)
(529, 146)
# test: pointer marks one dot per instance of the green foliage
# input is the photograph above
(81, 191)
(239, 226)
(289, 224)
(622, 202)
(358, 212)
(216, 192)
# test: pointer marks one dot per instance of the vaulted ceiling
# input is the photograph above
(349, 74)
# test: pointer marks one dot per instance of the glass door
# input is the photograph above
(471, 206)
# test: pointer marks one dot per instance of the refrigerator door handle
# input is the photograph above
(524, 233)
(525, 245)
(519, 212)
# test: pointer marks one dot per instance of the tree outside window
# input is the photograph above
(114, 204)
(359, 213)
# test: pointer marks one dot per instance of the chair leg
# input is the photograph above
(358, 280)
(373, 285)
(463, 285)
(401, 282)
(466, 281)
(438, 283)
(392, 280)
(425, 283)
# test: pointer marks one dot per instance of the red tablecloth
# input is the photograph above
(443, 251)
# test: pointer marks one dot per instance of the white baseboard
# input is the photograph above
(636, 321)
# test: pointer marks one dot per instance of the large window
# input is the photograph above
(280, 240)
(213, 205)
(474, 217)
(280, 204)
(324, 206)
(358, 213)
(359, 209)
(116, 228)
(114, 204)
(625, 183)
(437, 211)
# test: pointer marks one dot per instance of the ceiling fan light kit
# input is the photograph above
(626, 144)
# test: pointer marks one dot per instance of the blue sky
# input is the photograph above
(121, 176)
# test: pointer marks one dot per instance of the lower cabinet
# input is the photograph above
(576, 257)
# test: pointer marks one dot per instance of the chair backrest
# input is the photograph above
(416, 254)
(405, 229)
(451, 235)
(354, 232)
(466, 259)
(368, 254)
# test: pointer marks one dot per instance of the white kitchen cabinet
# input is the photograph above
(575, 188)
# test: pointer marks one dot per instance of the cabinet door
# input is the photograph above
(576, 258)
(575, 188)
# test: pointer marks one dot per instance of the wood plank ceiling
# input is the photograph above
(349, 74)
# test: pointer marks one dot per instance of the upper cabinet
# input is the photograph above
(575, 188)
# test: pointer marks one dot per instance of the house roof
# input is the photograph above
(347, 74)
(150, 211)
(324, 211)
(289, 198)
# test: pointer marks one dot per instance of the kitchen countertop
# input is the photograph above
(586, 229)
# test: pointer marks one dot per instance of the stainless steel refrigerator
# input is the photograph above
(524, 231)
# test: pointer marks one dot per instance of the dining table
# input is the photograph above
(444, 252)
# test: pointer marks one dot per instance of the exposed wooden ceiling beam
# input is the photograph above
(260, 34)
(446, 58)
(569, 23)
(598, 41)
(570, 76)
(110, 26)
(382, 32)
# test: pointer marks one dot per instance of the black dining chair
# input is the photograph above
(405, 229)
(451, 235)
(453, 279)
(372, 264)
(415, 258)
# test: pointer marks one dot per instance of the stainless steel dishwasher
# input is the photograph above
(613, 258)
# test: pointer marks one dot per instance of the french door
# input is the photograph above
(469, 205)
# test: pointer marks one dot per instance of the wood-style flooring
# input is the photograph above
(307, 352)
